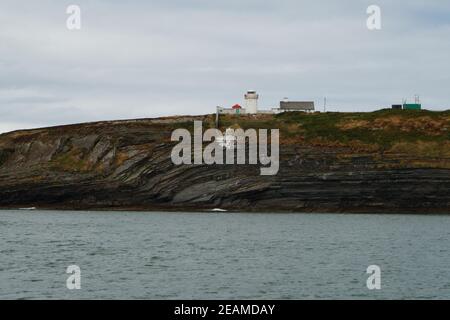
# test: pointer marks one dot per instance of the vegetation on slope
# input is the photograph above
(417, 132)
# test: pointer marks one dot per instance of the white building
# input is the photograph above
(251, 102)
(236, 109)
(251, 106)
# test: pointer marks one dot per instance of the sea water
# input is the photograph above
(220, 255)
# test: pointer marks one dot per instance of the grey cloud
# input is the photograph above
(153, 58)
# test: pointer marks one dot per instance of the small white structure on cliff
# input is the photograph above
(251, 102)
(251, 106)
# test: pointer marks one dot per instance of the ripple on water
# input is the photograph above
(189, 256)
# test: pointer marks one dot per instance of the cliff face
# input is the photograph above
(328, 163)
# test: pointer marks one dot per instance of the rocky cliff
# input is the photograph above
(386, 161)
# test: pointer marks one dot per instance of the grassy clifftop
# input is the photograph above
(421, 133)
(416, 138)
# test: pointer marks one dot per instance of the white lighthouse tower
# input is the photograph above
(251, 102)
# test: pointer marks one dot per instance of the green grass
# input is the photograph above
(71, 161)
(329, 126)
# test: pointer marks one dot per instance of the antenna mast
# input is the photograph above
(417, 99)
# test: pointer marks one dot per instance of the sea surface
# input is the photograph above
(156, 255)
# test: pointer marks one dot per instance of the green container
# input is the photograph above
(412, 106)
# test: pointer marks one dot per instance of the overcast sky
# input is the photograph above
(134, 59)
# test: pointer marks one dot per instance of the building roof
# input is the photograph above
(236, 106)
(297, 105)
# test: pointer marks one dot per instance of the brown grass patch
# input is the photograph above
(429, 149)
(424, 125)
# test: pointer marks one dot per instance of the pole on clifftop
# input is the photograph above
(217, 117)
